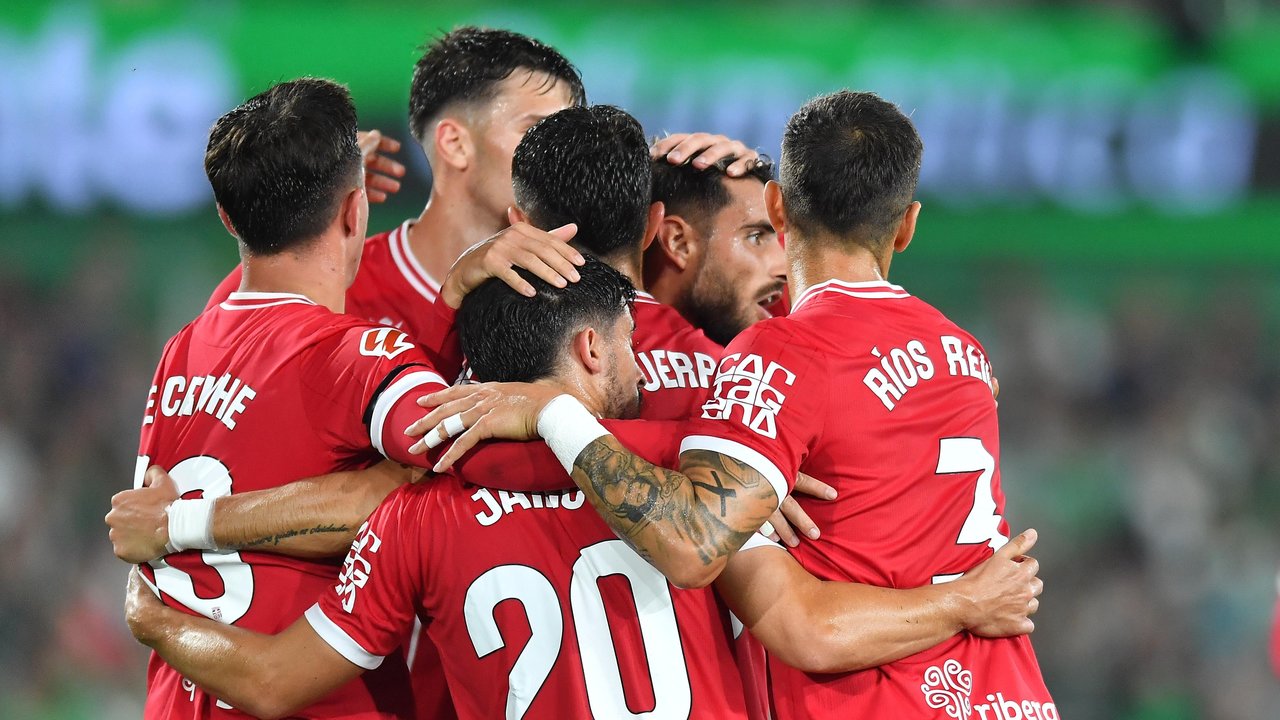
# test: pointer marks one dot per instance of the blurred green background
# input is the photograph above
(1102, 208)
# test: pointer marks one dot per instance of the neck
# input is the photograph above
(448, 225)
(666, 286)
(630, 269)
(812, 263)
(575, 386)
(317, 272)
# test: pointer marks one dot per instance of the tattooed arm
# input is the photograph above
(312, 518)
(686, 524)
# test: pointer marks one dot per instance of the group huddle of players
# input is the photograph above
(327, 526)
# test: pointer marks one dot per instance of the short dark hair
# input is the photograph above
(588, 166)
(698, 194)
(508, 337)
(467, 64)
(850, 165)
(281, 163)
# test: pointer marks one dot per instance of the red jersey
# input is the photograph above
(881, 396)
(263, 388)
(538, 610)
(391, 288)
(676, 359)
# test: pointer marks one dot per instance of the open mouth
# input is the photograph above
(769, 300)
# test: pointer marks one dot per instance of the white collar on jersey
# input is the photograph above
(644, 297)
(407, 263)
(255, 300)
(871, 290)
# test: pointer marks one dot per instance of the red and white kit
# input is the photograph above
(538, 610)
(677, 360)
(878, 394)
(259, 390)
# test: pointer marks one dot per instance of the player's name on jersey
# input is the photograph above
(493, 505)
(902, 368)
(222, 397)
(672, 369)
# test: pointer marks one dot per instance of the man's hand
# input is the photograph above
(138, 521)
(1003, 592)
(507, 411)
(141, 608)
(791, 519)
(381, 173)
(705, 150)
(545, 254)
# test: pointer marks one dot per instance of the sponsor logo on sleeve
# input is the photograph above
(357, 567)
(384, 342)
(749, 388)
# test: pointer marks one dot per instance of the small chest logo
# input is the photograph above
(384, 342)
(947, 688)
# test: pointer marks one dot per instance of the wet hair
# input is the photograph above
(466, 66)
(508, 337)
(281, 163)
(590, 166)
(698, 194)
(850, 166)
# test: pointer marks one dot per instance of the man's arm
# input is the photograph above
(267, 676)
(827, 627)
(311, 518)
(686, 523)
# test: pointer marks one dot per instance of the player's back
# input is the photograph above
(896, 412)
(677, 360)
(244, 400)
(541, 613)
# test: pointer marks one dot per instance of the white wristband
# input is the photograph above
(568, 428)
(190, 525)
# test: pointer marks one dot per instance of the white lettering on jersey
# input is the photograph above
(674, 369)
(384, 342)
(503, 503)
(899, 371)
(357, 568)
(224, 397)
(749, 384)
(963, 359)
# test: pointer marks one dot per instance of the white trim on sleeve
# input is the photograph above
(742, 454)
(391, 396)
(339, 640)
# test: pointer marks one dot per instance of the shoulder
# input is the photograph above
(658, 324)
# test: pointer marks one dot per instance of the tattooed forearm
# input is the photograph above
(710, 509)
(275, 540)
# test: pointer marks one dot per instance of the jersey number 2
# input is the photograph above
(673, 696)
(982, 525)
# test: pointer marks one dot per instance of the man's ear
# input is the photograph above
(354, 213)
(906, 228)
(656, 212)
(516, 215)
(588, 350)
(678, 242)
(774, 207)
(226, 223)
(453, 143)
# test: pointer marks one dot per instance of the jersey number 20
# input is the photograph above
(661, 636)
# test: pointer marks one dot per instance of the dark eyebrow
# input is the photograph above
(763, 226)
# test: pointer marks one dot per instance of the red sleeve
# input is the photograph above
(767, 403)
(490, 464)
(441, 343)
(225, 288)
(368, 379)
(370, 611)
